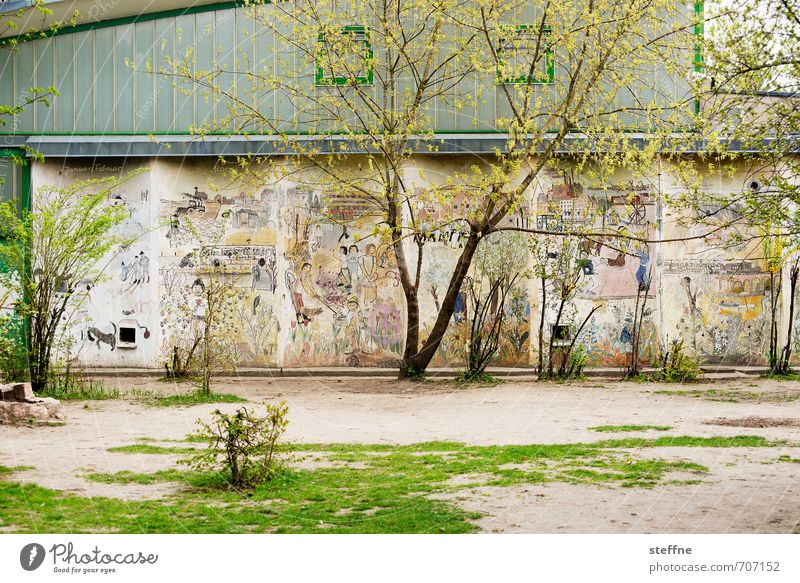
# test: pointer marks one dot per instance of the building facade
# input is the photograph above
(317, 285)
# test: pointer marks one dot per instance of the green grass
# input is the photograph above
(196, 398)
(625, 428)
(482, 380)
(128, 477)
(6, 470)
(786, 458)
(687, 441)
(147, 448)
(75, 388)
(349, 488)
(782, 376)
(734, 396)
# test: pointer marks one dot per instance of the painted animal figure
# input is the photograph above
(96, 335)
(618, 261)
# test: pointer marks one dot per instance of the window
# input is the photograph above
(519, 58)
(127, 335)
(345, 58)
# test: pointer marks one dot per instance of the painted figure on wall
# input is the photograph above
(369, 274)
(304, 288)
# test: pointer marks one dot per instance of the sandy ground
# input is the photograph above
(746, 490)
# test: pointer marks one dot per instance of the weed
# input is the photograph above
(245, 446)
(76, 387)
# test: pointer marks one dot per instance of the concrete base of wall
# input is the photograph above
(716, 373)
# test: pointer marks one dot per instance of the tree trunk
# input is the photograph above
(414, 365)
(553, 335)
(542, 301)
(412, 332)
(787, 349)
(773, 325)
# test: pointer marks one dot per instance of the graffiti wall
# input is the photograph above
(717, 293)
(115, 320)
(612, 272)
(343, 305)
(208, 226)
(314, 283)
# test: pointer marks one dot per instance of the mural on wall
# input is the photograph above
(227, 228)
(315, 285)
(114, 315)
(443, 239)
(717, 289)
(345, 304)
(614, 270)
(721, 309)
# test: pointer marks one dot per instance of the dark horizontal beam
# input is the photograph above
(188, 146)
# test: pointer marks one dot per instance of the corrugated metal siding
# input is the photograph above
(105, 87)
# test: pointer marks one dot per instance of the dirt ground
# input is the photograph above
(746, 490)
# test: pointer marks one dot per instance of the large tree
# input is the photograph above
(751, 118)
(570, 78)
(53, 255)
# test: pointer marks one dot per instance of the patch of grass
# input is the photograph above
(352, 488)
(193, 438)
(686, 441)
(735, 395)
(483, 379)
(78, 388)
(786, 458)
(625, 428)
(660, 377)
(196, 398)
(128, 477)
(782, 376)
(149, 449)
(5, 470)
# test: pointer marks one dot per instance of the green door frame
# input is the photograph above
(23, 204)
(25, 178)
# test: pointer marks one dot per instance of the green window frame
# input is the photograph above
(367, 78)
(699, 32)
(516, 32)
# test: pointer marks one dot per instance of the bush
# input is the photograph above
(576, 362)
(676, 366)
(242, 445)
(13, 355)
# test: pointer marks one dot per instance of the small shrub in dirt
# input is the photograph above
(675, 366)
(575, 363)
(243, 445)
